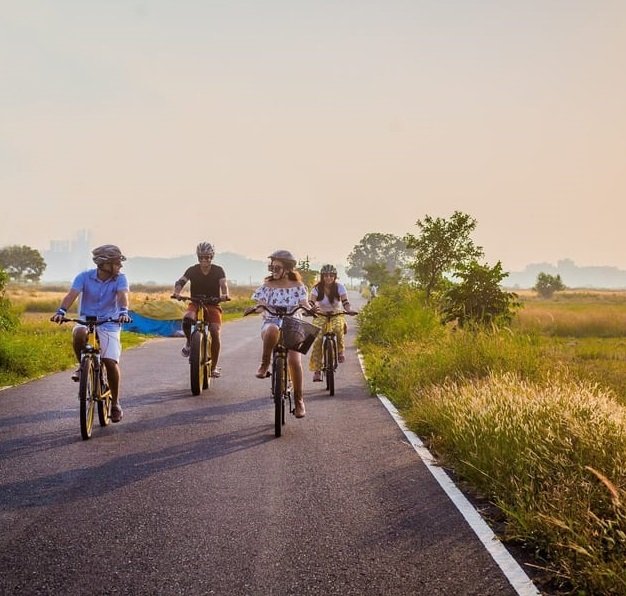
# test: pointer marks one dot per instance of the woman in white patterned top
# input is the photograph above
(283, 287)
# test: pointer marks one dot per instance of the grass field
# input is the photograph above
(531, 417)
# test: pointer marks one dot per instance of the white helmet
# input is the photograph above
(285, 257)
(205, 249)
(106, 253)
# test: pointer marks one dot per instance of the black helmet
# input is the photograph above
(285, 257)
(106, 253)
(328, 269)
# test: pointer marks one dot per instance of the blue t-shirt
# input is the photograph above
(99, 298)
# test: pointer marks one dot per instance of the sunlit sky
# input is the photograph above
(304, 125)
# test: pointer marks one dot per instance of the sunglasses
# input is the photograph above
(205, 258)
(275, 268)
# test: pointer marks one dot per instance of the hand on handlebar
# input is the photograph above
(250, 310)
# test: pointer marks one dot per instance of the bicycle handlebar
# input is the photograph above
(94, 323)
(330, 315)
(279, 311)
(201, 300)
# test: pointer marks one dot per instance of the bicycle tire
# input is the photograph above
(206, 372)
(104, 403)
(86, 396)
(196, 366)
(278, 389)
(329, 357)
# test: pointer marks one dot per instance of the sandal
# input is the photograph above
(116, 413)
(263, 371)
(317, 376)
(341, 357)
(216, 372)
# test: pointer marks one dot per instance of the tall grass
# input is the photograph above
(517, 414)
(551, 454)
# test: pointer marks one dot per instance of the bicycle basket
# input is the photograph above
(298, 335)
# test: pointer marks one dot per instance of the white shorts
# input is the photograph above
(110, 343)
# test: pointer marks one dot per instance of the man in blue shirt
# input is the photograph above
(104, 294)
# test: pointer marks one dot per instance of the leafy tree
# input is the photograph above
(375, 248)
(378, 275)
(547, 284)
(22, 263)
(443, 246)
(8, 320)
(478, 297)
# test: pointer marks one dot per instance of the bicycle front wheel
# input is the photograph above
(104, 403)
(279, 380)
(87, 394)
(197, 368)
(329, 365)
(206, 360)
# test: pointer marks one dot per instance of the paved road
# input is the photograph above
(194, 495)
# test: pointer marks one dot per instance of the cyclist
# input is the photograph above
(209, 280)
(283, 287)
(327, 295)
(104, 293)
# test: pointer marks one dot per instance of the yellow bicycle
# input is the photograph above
(93, 389)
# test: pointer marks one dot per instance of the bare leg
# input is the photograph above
(216, 344)
(113, 377)
(295, 370)
(270, 338)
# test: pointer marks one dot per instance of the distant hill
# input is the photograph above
(165, 271)
(609, 278)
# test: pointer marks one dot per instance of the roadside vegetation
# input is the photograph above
(532, 416)
(31, 346)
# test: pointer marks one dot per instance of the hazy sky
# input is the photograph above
(298, 124)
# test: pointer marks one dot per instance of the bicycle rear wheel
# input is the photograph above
(329, 365)
(197, 369)
(104, 403)
(279, 381)
(87, 393)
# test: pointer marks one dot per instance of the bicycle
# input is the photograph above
(93, 387)
(294, 334)
(330, 352)
(200, 343)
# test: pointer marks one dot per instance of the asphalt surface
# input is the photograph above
(195, 495)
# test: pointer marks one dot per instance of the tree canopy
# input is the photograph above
(376, 252)
(546, 285)
(442, 246)
(22, 263)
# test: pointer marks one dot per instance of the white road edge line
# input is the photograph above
(518, 579)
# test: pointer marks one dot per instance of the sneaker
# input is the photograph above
(341, 357)
(76, 375)
(216, 372)
(116, 413)
(317, 376)
(186, 350)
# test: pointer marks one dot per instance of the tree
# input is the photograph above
(443, 246)
(478, 297)
(8, 319)
(547, 284)
(386, 250)
(22, 263)
(308, 275)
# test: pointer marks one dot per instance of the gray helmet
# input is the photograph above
(205, 249)
(285, 257)
(106, 253)
(328, 269)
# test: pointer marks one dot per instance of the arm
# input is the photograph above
(67, 301)
(123, 300)
(179, 285)
(224, 289)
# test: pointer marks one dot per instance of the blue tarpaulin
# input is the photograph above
(148, 326)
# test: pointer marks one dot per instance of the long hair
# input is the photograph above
(333, 292)
(293, 275)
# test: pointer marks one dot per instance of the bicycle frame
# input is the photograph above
(282, 389)
(200, 344)
(93, 389)
(330, 353)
